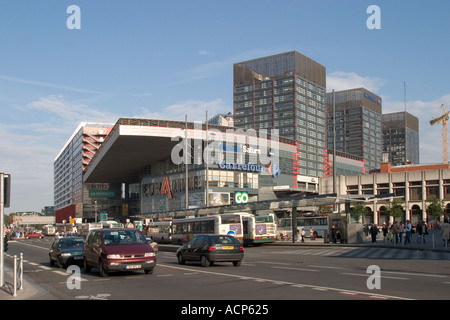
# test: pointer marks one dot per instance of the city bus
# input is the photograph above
(160, 232)
(319, 226)
(49, 230)
(184, 230)
(258, 229)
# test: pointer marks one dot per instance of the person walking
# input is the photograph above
(408, 230)
(401, 231)
(445, 231)
(373, 232)
(333, 233)
(395, 232)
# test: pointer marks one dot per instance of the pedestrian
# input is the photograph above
(385, 231)
(401, 231)
(302, 234)
(333, 233)
(422, 230)
(373, 232)
(395, 232)
(445, 231)
(311, 233)
(408, 230)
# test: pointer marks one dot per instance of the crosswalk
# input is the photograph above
(364, 252)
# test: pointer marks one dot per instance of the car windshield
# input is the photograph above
(224, 240)
(70, 242)
(115, 237)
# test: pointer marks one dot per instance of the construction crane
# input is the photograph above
(443, 118)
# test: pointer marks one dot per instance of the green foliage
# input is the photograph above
(436, 207)
(395, 209)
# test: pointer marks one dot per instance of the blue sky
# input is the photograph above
(162, 59)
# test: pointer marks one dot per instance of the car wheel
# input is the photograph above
(103, 272)
(237, 263)
(180, 259)
(52, 262)
(58, 263)
(148, 271)
(87, 268)
(205, 262)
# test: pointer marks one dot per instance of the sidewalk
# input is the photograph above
(429, 245)
(29, 291)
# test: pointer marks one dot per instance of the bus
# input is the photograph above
(318, 224)
(184, 230)
(258, 229)
(49, 230)
(160, 232)
(84, 228)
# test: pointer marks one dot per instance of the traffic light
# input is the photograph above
(6, 190)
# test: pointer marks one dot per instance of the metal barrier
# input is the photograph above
(18, 274)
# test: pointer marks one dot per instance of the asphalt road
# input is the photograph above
(267, 273)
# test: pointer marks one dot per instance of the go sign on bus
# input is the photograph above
(240, 197)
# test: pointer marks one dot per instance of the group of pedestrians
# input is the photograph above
(400, 230)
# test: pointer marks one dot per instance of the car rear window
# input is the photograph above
(224, 240)
(115, 237)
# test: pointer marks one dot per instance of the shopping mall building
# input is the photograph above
(141, 168)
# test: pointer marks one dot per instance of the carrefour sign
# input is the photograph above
(240, 197)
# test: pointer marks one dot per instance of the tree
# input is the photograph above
(436, 207)
(395, 209)
(357, 211)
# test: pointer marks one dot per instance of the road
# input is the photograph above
(267, 273)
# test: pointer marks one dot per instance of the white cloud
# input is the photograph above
(205, 53)
(340, 80)
(430, 137)
(69, 112)
(195, 110)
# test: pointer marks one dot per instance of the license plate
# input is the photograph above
(227, 247)
(134, 266)
(78, 258)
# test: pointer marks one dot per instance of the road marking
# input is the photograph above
(320, 288)
(268, 262)
(298, 269)
(45, 268)
(416, 274)
(365, 275)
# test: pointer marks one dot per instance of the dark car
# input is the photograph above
(212, 248)
(118, 249)
(67, 251)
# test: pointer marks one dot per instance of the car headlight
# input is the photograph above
(149, 254)
(114, 256)
(67, 254)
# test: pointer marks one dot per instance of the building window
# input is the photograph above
(432, 189)
(415, 191)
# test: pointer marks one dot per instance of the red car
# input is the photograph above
(118, 250)
(29, 235)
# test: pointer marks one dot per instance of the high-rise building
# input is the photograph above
(358, 124)
(69, 165)
(286, 92)
(400, 148)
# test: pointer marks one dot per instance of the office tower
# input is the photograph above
(400, 149)
(358, 124)
(286, 92)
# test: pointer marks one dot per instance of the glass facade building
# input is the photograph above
(358, 124)
(401, 148)
(285, 92)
